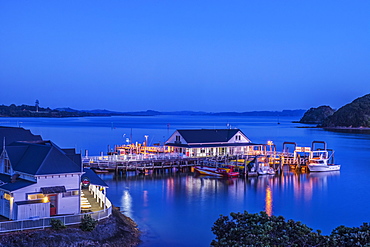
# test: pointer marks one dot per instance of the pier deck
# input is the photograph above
(145, 163)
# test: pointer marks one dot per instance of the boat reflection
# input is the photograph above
(243, 192)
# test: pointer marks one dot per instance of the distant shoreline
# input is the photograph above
(345, 128)
(32, 111)
(333, 128)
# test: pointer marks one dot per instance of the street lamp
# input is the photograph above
(146, 143)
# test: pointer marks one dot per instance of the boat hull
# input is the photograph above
(218, 172)
(265, 170)
(323, 168)
(208, 172)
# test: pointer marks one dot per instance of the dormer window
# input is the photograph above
(178, 140)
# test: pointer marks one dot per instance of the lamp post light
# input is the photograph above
(146, 143)
(270, 144)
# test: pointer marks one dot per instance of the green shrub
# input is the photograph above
(350, 236)
(57, 224)
(88, 223)
(244, 229)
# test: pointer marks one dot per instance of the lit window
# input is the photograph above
(35, 196)
(7, 196)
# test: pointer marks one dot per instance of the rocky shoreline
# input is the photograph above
(116, 230)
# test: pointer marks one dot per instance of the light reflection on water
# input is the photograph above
(126, 202)
(170, 207)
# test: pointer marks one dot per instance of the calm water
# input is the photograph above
(179, 209)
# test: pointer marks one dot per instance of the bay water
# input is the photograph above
(178, 209)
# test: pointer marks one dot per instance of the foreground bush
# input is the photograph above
(244, 229)
(88, 223)
(57, 224)
(351, 236)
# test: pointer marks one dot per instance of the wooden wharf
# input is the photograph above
(144, 164)
(161, 161)
(141, 163)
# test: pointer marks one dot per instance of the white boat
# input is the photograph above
(319, 162)
(262, 166)
(265, 170)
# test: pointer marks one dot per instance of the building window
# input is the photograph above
(35, 196)
(178, 140)
(71, 193)
(7, 196)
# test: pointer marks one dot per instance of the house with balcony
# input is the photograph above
(211, 142)
(37, 178)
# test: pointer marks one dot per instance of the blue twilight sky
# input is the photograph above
(184, 55)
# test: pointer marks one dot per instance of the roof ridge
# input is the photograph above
(44, 159)
(23, 154)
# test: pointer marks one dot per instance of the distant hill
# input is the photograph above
(317, 115)
(31, 111)
(260, 113)
(353, 115)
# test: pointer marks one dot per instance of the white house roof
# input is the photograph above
(40, 159)
(207, 136)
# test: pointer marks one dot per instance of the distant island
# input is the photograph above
(36, 111)
(317, 115)
(355, 115)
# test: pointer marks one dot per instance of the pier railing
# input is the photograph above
(131, 157)
(167, 156)
(41, 223)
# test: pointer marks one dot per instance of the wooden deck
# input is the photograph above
(144, 165)
(141, 165)
(95, 206)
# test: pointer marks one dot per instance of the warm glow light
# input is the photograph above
(45, 199)
(268, 201)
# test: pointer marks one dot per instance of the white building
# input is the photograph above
(37, 178)
(211, 142)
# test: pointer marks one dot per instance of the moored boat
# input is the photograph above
(213, 171)
(261, 166)
(266, 170)
(319, 162)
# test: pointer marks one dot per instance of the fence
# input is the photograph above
(36, 223)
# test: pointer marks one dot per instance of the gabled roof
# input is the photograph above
(40, 158)
(208, 135)
(212, 145)
(93, 178)
(9, 186)
(71, 153)
(13, 134)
